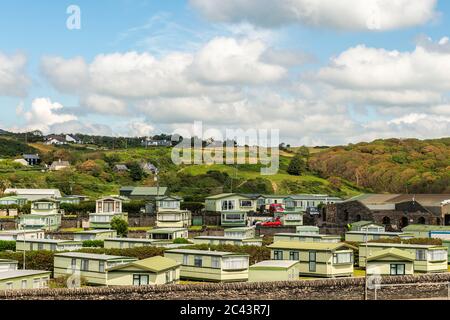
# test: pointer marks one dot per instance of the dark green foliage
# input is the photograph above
(35, 260)
(297, 166)
(258, 185)
(7, 245)
(120, 225)
(82, 208)
(192, 206)
(181, 241)
(136, 172)
(13, 148)
(133, 207)
(139, 252)
(93, 244)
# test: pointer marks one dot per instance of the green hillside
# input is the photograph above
(382, 166)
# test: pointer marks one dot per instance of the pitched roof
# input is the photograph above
(364, 223)
(226, 195)
(392, 252)
(148, 191)
(166, 230)
(319, 246)
(153, 264)
(19, 192)
(31, 156)
(299, 235)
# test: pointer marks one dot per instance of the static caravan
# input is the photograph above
(24, 279)
(43, 221)
(94, 235)
(427, 231)
(391, 262)
(92, 267)
(306, 237)
(274, 270)
(106, 209)
(291, 218)
(8, 265)
(48, 244)
(427, 258)
(361, 236)
(218, 240)
(152, 271)
(173, 219)
(13, 201)
(317, 259)
(215, 266)
(168, 233)
(240, 233)
(307, 230)
(230, 202)
(15, 235)
(125, 243)
(367, 226)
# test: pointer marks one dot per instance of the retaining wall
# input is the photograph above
(413, 287)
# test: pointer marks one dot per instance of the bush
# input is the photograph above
(93, 244)
(139, 252)
(192, 206)
(120, 225)
(181, 241)
(34, 260)
(7, 245)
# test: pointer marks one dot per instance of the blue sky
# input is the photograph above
(290, 90)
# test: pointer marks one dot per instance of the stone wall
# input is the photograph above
(142, 221)
(8, 224)
(68, 223)
(405, 287)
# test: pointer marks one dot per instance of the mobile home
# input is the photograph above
(48, 244)
(8, 265)
(216, 266)
(428, 231)
(106, 209)
(306, 237)
(168, 233)
(362, 236)
(390, 262)
(24, 279)
(94, 235)
(367, 226)
(274, 270)
(92, 267)
(317, 259)
(152, 271)
(15, 235)
(427, 258)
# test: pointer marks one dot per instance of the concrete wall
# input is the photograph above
(425, 286)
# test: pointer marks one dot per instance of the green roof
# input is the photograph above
(299, 235)
(148, 191)
(422, 227)
(392, 252)
(319, 246)
(153, 264)
(12, 198)
(364, 223)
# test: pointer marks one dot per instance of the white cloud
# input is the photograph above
(44, 113)
(342, 14)
(229, 61)
(66, 75)
(13, 78)
(375, 76)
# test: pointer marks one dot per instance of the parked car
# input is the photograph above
(272, 223)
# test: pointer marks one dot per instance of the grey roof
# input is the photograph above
(92, 256)
(205, 252)
(31, 156)
(51, 241)
(93, 231)
(166, 230)
(299, 235)
(21, 273)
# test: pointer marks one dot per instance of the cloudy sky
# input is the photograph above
(321, 71)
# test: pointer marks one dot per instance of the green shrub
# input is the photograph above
(120, 225)
(181, 241)
(93, 244)
(7, 245)
(34, 260)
